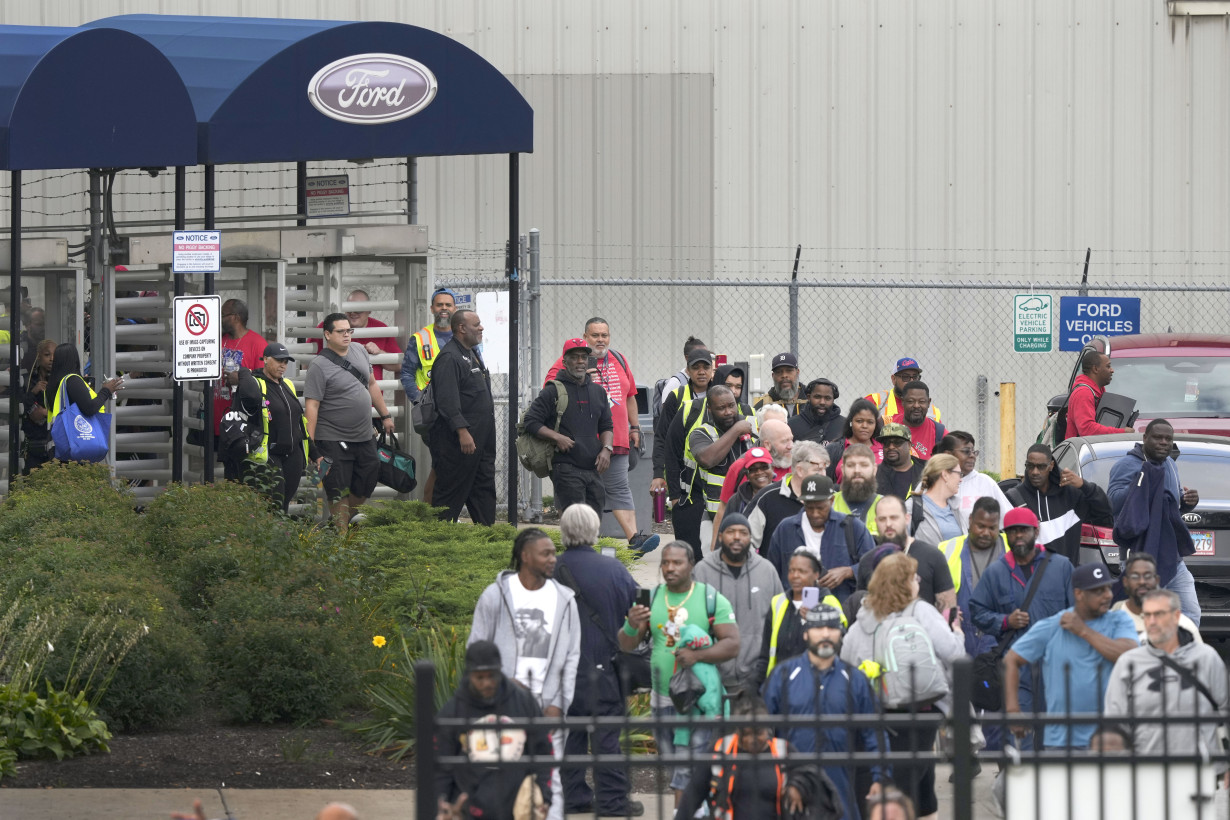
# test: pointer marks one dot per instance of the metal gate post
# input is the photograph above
(962, 752)
(177, 400)
(980, 393)
(14, 323)
(424, 741)
(514, 335)
(535, 300)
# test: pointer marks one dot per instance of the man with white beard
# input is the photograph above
(785, 389)
(858, 495)
(778, 438)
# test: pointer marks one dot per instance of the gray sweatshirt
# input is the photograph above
(750, 596)
(857, 647)
(1134, 690)
(494, 621)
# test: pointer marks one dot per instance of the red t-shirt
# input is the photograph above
(619, 385)
(387, 344)
(253, 346)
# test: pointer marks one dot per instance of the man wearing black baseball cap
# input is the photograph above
(268, 403)
(837, 540)
(785, 389)
(1076, 650)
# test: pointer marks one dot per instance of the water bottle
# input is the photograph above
(659, 505)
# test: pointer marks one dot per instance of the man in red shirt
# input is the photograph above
(1087, 391)
(374, 345)
(925, 432)
(250, 347)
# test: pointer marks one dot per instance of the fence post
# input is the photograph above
(960, 726)
(980, 393)
(534, 297)
(424, 740)
(794, 303)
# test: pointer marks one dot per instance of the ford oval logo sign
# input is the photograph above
(370, 89)
(1192, 518)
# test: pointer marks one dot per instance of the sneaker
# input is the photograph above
(643, 543)
(357, 519)
(974, 772)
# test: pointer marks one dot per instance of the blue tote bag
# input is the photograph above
(79, 437)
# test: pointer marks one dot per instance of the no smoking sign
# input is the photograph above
(196, 338)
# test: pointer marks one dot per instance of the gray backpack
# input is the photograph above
(910, 672)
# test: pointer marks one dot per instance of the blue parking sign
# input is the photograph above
(1083, 317)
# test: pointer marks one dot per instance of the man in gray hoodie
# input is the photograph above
(533, 621)
(1171, 675)
(749, 582)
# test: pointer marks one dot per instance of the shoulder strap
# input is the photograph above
(622, 362)
(561, 402)
(344, 365)
(917, 511)
(1035, 581)
(847, 524)
(1190, 676)
(567, 578)
(710, 601)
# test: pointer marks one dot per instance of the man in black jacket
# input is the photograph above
(271, 404)
(1062, 500)
(462, 441)
(820, 420)
(583, 444)
(486, 786)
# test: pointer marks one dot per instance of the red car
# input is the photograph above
(1181, 377)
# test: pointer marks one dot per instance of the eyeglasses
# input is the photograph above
(1136, 577)
(346, 332)
(954, 471)
(969, 452)
(1036, 467)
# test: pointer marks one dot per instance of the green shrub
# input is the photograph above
(59, 725)
(70, 500)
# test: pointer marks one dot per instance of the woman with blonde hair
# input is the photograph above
(941, 486)
(892, 605)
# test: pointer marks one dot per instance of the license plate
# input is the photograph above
(1203, 539)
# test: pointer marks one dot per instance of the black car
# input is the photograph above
(1204, 465)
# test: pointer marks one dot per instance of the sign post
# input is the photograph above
(1031, 323)
(1083, 317)
(196, 338)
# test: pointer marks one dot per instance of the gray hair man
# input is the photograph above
(780, 500)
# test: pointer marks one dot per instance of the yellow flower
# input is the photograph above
(379, 641)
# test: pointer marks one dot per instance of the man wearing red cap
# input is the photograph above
(583, 440)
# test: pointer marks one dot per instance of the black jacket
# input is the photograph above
(286, 413)
(884, 474)
(822, 430)
(493, 788)
(461, 386)
(821, 800)
(661, 428)
(1062, 510)
(586, 417)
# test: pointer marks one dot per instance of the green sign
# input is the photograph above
(1031, 323)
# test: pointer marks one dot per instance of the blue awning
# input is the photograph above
(379, 89)
(74, 98)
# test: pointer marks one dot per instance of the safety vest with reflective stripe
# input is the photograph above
(840, 505)
(780, 606)
(55, 403)
(887, 402)
(713, 481)
(953, 548)
(428, 350)
(261, 454)
(722, 786)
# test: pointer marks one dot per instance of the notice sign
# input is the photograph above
(1083, 317)
(196, 338)
(196, 252)
(328, 196)
(1031, 323)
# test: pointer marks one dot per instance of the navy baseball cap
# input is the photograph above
(786, 359)
(1092, 576)
(908, 363)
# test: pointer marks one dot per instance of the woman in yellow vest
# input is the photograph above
(66, 369)
(783, 626)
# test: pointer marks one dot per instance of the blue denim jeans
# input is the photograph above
(1184, 585)
(701, 743)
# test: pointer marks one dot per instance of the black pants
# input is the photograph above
(464, 481)
(916, 779)
(278, 478)
(576, 486)
(685, 520)
(597, 694)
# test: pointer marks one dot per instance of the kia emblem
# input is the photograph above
(371, 89)
(1192, 518)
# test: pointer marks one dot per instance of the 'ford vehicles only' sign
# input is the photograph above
(370, 89)
(1083, 317)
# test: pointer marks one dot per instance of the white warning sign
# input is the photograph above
(196, 252)
(196, 338)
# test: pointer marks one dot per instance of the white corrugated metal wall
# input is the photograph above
(966, 139)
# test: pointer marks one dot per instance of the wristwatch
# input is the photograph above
(608, 447)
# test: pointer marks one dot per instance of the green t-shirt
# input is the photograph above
(693, 612)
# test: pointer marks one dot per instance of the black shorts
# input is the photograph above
(355, 468)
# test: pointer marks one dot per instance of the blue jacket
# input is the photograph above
(1124, 473)
(1150, 520)
(795, 687)
(976, 641)
(833, 550)
(1002, 590)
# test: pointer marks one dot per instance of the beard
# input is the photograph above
(857, 490)
(788, 392)
(822, 649)
(899, 539)
(781, 461)
(443, 322)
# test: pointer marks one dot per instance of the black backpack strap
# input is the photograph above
(329, 355)
(1035, 582)
(847, 524)
(566, 577)
(1190, 677)
(917, 512)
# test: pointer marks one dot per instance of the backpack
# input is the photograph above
(655, 400)
(910, 671)
(1055, 429)
(239, 435)
(534, 453)
(917, 512)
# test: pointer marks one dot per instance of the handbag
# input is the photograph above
(79, 437)
(632, 668)
(424, 414)
(686, 690)
(396, 467)
(988, 691)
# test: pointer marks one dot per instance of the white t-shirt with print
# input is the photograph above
(533, 619)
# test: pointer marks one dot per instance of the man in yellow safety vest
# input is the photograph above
(422, 348)
(890, 401)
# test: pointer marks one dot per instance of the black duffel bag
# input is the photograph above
(988, 691)
(396, 467)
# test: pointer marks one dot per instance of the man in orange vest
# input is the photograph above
(890, 401)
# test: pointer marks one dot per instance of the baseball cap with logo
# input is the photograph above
(894, 430)
(908, 363)
(757, 455)
(817, 488)
(785, 360)
(575, 344)
(1020, 517)
(277, 350)
(1092, 576)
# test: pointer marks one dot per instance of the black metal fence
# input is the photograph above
(1178, 782)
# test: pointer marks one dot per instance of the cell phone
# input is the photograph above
(609, 552)
(951, 615)
(811, 597)
(643, 597)
(591, 363)
(325, 464)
